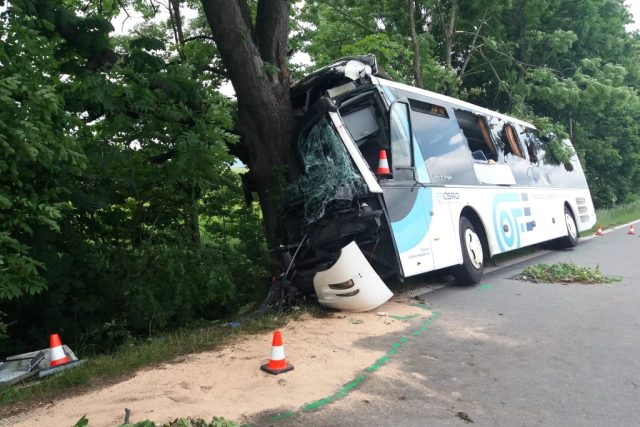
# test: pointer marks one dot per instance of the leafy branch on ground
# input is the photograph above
(178, 422)
(563, 272)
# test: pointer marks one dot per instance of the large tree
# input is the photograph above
(254, 51)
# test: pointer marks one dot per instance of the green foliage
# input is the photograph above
(178, 422)
(563, 272)
(38, 153)
(120, 216)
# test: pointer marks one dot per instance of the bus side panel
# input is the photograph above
(445, 239)
(410, 227)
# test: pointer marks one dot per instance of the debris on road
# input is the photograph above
(464, 416)
(564, 273)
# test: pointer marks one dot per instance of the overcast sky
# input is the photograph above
(634, 8)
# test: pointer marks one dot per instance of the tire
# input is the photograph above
(472, 267)
(571, 239)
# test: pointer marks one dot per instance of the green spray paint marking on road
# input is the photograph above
(484, 287)
(346, 389)
(282, 416)
(339, 394)
(378, 364)
(403, 318)
(421, 306)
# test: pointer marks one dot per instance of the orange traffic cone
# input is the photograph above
(599, 232)
(277, 363)
(57, 353)
(383, 164)
(631, 230)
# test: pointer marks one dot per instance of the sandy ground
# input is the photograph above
(228, 382)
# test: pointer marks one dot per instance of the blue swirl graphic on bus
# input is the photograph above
(510, 214)
(411, 229)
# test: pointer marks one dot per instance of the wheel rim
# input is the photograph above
(474, 248)
(571, 226)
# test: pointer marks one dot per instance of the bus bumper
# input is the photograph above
(351, 284)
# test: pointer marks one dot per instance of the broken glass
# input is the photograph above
(329, 175)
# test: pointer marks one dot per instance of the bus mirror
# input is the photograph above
(400, 135)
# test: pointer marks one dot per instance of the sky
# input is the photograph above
(634, 8)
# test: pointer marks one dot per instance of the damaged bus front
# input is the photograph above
(397, 181)
(335, 215)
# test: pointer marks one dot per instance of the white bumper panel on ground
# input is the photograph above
(351, 284)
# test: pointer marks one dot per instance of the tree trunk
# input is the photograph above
(195, 216)
(256, 61)
(449, 34)
(414, 42)
(176, 24)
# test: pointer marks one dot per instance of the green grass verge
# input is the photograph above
(563, 272)
(104, 369)
(617, 215)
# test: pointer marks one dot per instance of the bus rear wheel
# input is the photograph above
(470, 271)
(571, 239)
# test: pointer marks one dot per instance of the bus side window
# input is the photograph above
(476, 131)
(513, 144)
(534, 144)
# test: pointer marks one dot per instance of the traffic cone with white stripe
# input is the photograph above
(57, 353)
(277, 363)
(383, 164)
(599, 232)
(631, 230)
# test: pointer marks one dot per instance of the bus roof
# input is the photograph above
(453, 101)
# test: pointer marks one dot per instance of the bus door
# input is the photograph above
(407, 200)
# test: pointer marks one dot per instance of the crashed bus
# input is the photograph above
(398, 181)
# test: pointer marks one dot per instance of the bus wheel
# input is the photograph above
(470, 271)
(571, 239)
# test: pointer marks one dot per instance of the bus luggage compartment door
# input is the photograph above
(445, 242)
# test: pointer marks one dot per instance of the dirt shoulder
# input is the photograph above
(326, 353)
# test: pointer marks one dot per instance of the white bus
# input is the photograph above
(463, 184)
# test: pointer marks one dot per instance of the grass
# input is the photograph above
(617, 215)
(563, 272)
(121, 364)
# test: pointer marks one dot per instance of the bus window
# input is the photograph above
(476, 131)
(513, 144)
(426, 108)
(534, 144)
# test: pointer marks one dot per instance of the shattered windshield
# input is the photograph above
(329, 175)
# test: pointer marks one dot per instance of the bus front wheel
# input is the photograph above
(470, 271)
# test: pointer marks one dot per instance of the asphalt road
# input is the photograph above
(512, 353)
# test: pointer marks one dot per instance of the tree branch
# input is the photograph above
(417, 72)
(473, 45)
(200, 37)
(215, 70)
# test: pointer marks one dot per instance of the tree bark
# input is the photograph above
(256, 61)
(449, 34)
(414, 42)
(176, 18)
